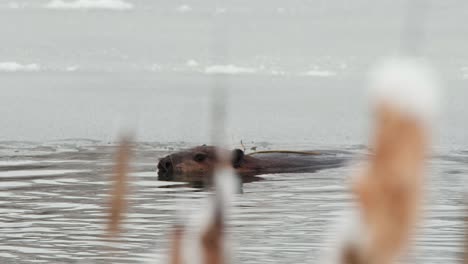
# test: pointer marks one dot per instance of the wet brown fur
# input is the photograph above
(197, 164)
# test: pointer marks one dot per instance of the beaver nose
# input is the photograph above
(165, 165)
(165, 169)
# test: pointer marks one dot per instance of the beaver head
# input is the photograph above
(194, 164)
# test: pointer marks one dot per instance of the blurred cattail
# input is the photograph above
(175, 256)
(389, 190)
(119, 188)
(203, 239)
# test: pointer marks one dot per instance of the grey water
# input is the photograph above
(74, 75)
(54, 204)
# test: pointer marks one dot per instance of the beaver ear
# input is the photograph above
(237, 157)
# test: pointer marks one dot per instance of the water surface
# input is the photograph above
(56, 213)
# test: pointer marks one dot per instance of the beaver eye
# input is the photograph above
(199, 157)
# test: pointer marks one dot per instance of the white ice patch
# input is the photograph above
(155, 67)
(220, 10)
(464, 72)
(228, 69)
(278, 72)
(192, 63)
(319, 73)
(280, 10)
(184, 9)
(72, 68)
(89, 4)
(409, 84)
(11, 66)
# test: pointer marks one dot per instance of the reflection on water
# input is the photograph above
(53, 200)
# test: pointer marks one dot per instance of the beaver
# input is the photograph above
(197, 164)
